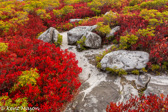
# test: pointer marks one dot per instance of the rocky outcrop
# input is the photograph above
(99, 88)
(50, 35)
(112, 32)
(98, 98)
(90, 40)
(74, 20)
(126, 60)
(76, 33)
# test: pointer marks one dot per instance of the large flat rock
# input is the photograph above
(126, 60)
(98, 98)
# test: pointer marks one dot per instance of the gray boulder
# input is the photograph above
(115, 29)
(76, 33)
(50, 35)
(126, 60)
(91, 40)
(74, 20)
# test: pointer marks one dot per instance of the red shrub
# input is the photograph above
(155, 45)
(81, 11)
(58, 71)
(29, 30)
(151, 103)
(92, 21)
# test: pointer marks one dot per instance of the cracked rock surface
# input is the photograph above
(92, 40)
(76, 33)
(127, 60)
(98, 88)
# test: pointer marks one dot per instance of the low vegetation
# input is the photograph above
(52, 72)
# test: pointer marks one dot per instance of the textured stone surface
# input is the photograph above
(50, 35)
(98, 99)
(92, 40)
(74, 20)
(76, 33)
(112, 32)
(142, 82)
(127, 60)
(99, 88)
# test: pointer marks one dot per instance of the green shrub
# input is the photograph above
(117, 71)
(9, 105)
(154, 16)
(127, 41)
(42, 13)
(146, 32)
(155, 67)
(102, 29)
(81, 43)
(98, 65)
(136, 72)
(68, 2)
(144, 70)
(64, 11)
(127, 9)
(26, 78)
(59, 41)
(155, 4)
(134, 2)
(110, 18)
(3, 47)
(96, 10)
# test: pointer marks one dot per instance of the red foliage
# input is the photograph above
(151, 103)
(92, 21)
(29, 30)
(58, 71)
(81, 11)
(155, 45)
